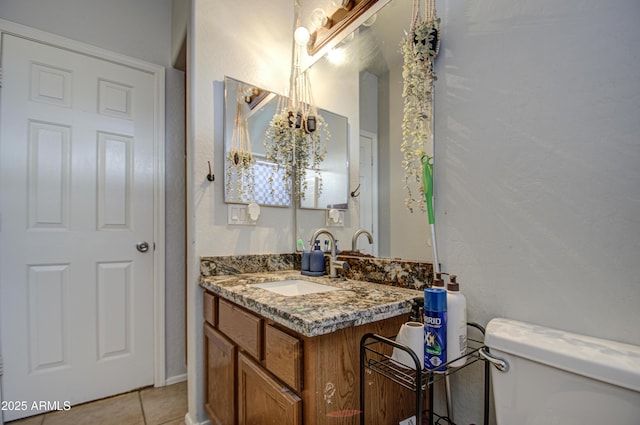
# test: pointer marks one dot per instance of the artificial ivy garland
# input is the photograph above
(296, 149)
(419, 49)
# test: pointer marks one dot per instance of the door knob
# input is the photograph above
(142, 246)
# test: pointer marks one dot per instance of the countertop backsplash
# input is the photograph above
(390, 271)
(394, 272)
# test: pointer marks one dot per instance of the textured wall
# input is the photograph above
(537, 194)
(249, 41)
(140, 29)
(537, 152)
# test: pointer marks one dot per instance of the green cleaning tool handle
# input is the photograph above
(427, 184)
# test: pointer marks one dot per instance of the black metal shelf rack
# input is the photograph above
(372, 357)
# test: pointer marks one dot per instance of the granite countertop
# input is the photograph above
(355, 303)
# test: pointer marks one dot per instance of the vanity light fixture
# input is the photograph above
(344, 4)
(337, 55)
(370, 21)
(320, 19)
(301, 36)
(347, 11)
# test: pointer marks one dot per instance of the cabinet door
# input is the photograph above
(283, 356)
(262, 400)
(220, 377)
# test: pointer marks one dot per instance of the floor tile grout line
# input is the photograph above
(144, 417)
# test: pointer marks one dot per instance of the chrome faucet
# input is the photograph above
(334, 264)
(354, 240)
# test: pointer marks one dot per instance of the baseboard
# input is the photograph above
(189, 421)
(176, 379)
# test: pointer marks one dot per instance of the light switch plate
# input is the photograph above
(331, 222)
(237, 214)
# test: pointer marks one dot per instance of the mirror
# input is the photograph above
(251, 178)
(250, 106)
(330, 189)
(374, 52)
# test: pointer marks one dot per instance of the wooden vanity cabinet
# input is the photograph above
(262, 399)
(238, 388)
(258, 372)
(242, 327)
(331, 380)
(283, 356)
(210, 308)
(220, 377)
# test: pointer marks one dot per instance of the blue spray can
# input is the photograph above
(435, 328)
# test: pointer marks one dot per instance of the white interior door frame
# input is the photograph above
(374, 192)
(158, 72)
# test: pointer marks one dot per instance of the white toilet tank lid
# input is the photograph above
(608, 361)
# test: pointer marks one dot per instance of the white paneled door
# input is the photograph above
(77, 199)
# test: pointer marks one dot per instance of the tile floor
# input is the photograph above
(148, 406)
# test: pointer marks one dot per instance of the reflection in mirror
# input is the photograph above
(255, 107)
(262, 182)
(329, 187)
(375, 51)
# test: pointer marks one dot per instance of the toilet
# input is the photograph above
(553, 377)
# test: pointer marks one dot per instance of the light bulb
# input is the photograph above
(371, 20)
(318, 18)
(301, 35)
(340, 3)
(337, 56)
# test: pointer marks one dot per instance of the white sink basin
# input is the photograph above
(295, 287)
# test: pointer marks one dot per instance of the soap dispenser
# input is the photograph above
(456, 324)
(438, 282)
(416, 310)
(316, 263)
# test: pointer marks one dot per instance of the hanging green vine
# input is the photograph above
(419, 49)
(297, 137)
(296, 152)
